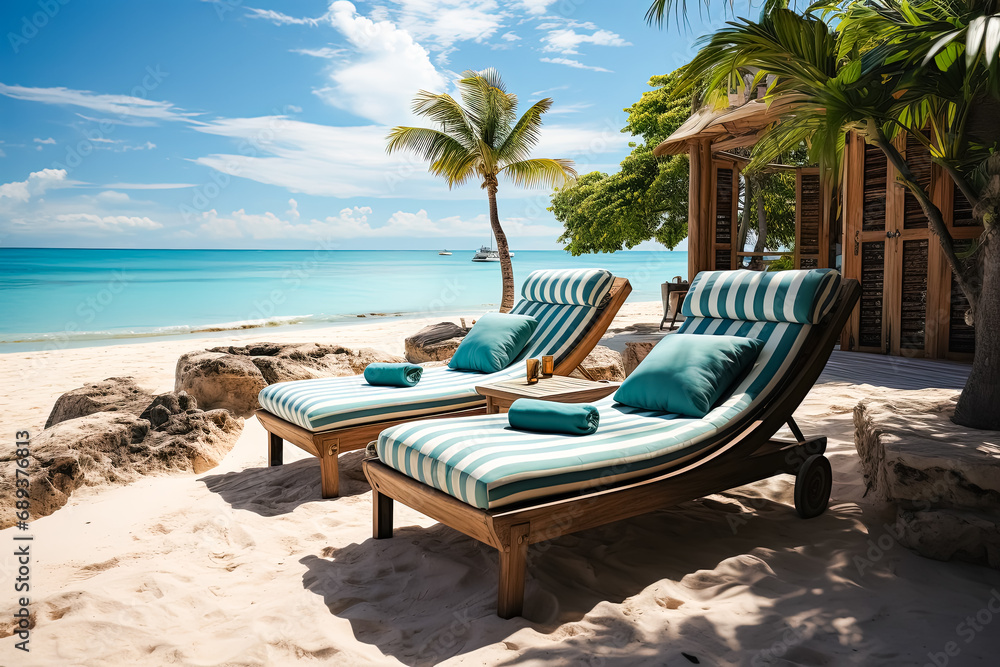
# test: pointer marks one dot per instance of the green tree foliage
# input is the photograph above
(647, 199)
(478, 139)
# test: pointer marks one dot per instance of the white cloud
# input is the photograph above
(354, 223)
(569, 62)
(387, 68)
(537, 6)
(277, 18)
(442, 23)
(314, 159)
(352, 162)
(546, 91)
(35, 185)
(404, 224)
(562, 109)
(113, 196)
(566, 40)
(123, 106)
(326, 52)
(107, 223)
(50, 140)
(119, 145)
(147, 186)
(240, 224)
(510, 36)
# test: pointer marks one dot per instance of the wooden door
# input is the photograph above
(866, 188)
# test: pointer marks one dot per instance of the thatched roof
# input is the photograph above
(727, 128)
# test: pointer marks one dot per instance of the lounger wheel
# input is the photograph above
(813, 483)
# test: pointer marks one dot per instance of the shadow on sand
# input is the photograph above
(279, 490)
(436, 594)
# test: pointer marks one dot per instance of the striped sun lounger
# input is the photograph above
(499, 478)
(329, 416)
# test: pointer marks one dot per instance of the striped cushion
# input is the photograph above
(328, 403)
(481, 462)
(783, 296)
(569, 287)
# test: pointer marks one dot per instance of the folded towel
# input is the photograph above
(393, 375)
(529, 414)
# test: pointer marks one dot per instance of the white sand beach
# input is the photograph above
(246, 565)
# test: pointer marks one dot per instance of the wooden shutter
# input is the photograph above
(808, 218)
(961, 337)
(874, 187)
(725, 216)
(962, 211)
(913, 306)
(918, 159)
(872, 283)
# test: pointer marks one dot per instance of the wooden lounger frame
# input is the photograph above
(742, 453)
(328, 445)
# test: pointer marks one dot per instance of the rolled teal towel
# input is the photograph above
(393, 375)
(529, 414)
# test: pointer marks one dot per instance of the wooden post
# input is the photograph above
(513, 560)
(275, 456)
(700, 197)
(381, 516)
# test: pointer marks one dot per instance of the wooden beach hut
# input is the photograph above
(869, 226)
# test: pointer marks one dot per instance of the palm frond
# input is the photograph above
(448, 157)
(444, 110)
(524, 135)
(540, 171)
(490, 107)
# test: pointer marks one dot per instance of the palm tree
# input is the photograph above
(880, 68)
(479, 138)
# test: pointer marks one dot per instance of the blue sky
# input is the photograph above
(252, 124)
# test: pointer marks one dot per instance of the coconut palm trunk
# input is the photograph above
(977, 406)
(506, 266)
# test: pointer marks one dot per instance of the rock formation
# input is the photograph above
(602, 363)
(436, 342)
(111, 395)
(943, 478)
(115, 446)
(231, 377)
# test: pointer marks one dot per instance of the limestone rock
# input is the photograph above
(231, 377)
(943, 478)
(602, 363)
(118, 394)
(116, 447)
(911, 451)
(635, 352)
(944, 534)
(436, 342)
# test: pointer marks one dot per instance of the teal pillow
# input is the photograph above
(494, 342)
(688, 373)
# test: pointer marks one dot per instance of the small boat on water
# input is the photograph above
(486, 255)
(445, 252)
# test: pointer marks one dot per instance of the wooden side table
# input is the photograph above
(558, 388)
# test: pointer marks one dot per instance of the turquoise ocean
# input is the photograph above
(76, 297)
